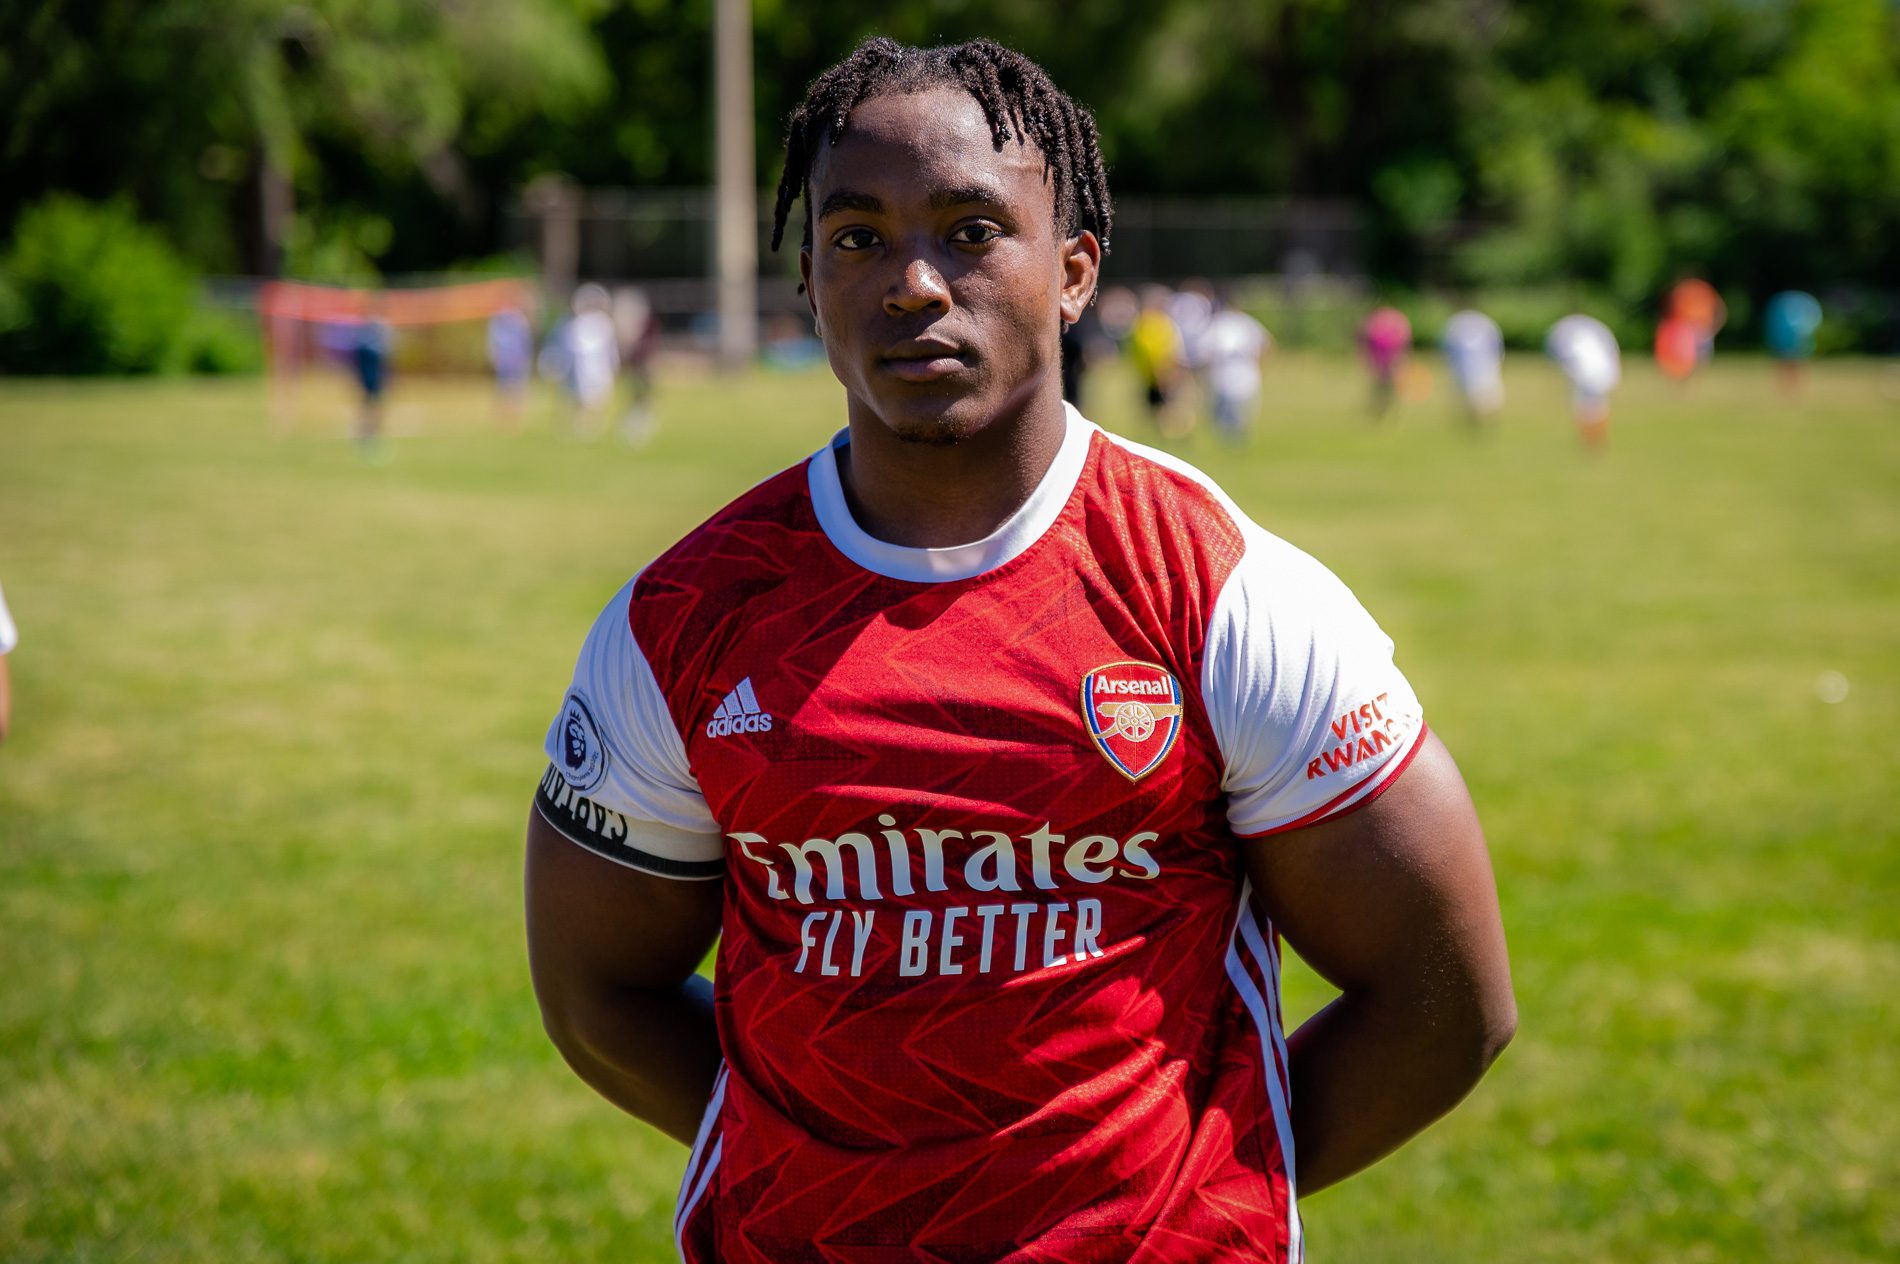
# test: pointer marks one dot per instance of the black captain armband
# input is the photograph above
(608, 833)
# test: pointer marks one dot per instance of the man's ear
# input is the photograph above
(1081, 268)
(804, 283)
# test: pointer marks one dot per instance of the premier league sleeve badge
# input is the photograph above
(1133, 714)
(583, 757)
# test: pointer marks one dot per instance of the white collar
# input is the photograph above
(961, 561)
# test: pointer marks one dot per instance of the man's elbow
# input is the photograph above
(576, 1020)
(1465, 1036)
(561, 1030)
(600, 1024)
(592, 1040)
(1490, 1027)
(561, 1020)
(1499, 1027)
(571, 1002)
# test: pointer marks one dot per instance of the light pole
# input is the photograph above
(737, 214)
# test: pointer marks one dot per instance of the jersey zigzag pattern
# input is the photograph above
(991, 985)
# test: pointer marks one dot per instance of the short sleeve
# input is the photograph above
(9, 635)
(618, 782)
(1312, 717)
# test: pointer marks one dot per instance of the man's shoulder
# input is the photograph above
(724, 572)
(757, 531)
(1149, 487)
(1161, 532)
(1173, 514)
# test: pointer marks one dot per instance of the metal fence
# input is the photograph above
(663, 240)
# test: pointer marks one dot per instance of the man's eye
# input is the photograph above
(855, 239)
(975, 234)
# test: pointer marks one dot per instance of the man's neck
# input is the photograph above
(933, 496)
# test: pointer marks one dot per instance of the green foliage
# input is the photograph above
(337, 248)
(219, 342)
(360, 107)
(86, 288)
(1327, 316)
(93, 291)
(1857, 318)
(1757, 145)
(1525, 314)
(1520, 144)
(506, 264)
(1320, 315)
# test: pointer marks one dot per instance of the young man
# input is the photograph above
(998, 753)
(1233, 348)
(369, 359)
(511, 356)
(1474, 351)
(1789, 325)
(1586, 351)
(1385, 340)
(9, 637)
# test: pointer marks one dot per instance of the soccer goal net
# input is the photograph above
(428, 328)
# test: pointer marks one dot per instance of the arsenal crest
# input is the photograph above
(1133, 711)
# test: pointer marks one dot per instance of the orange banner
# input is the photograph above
(329, 304)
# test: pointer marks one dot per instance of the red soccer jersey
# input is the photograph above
(991, 984)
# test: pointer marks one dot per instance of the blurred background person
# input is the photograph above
(637, 334)
(511, 359)
(1695, 303)
(1474, 355)
(1234, 348)
(1586, 351)
(1693, 313)
(1116, 308)
(583, 355)
(1385, 340)
(9, 637)
(1155, 353)
(1678, 348)
(369, 359)
(1789, 324)
(1192, 307)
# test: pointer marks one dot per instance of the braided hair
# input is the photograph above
(1017, 97)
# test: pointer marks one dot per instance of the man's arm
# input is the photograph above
(613, 951)
(1395, 905)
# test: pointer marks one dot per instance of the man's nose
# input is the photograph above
(920, 288)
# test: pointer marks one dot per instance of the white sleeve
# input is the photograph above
(618, 782)
(9, 635)
(1312, 717)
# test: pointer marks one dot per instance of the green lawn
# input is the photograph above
(278, 713)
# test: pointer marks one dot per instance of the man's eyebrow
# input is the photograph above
(965, 195)
(849, 200)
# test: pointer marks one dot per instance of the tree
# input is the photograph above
(1606, 143)
(1758, 144)
(213, 114)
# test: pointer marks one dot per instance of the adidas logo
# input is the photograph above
(739, 713)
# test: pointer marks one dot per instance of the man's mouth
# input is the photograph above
(925, 359)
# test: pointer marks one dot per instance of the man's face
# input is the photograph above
(935, 271)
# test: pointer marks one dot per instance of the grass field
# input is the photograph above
(278, 713)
